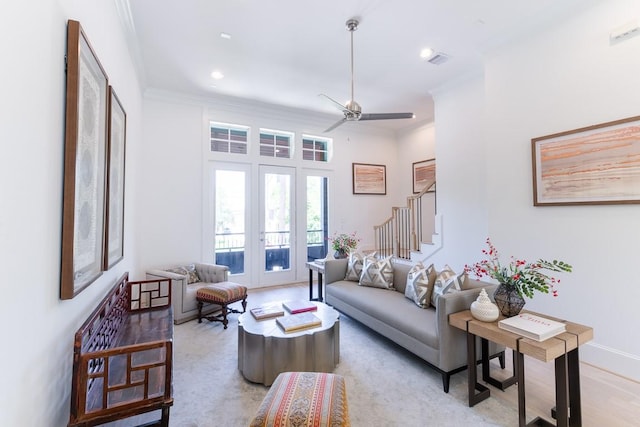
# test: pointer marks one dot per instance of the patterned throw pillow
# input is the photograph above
(420, 281)
(447, 281)
(188, 270)
(377, 273)
(354, 267)
(193, 274)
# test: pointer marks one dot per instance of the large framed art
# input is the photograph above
(116, 148)
(369, 179)
(84, 165)
(424, 173)
(595, 165)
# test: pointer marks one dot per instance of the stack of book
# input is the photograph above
(532, 326)
(267, 311)
(299, 306)
(297, 322)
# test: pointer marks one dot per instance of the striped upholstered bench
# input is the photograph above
(223, 294)
(304, 399)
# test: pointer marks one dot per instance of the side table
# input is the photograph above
(318, 268)
(562, 349)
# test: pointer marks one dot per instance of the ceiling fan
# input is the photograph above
(352, 110)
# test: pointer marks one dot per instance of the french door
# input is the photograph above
(277, 225)
(265, 221)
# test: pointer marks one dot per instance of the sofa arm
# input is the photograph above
(154, 273)
(212, 273)
(453, 345)
(335, 270)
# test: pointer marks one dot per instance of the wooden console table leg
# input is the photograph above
(486, 373)
(310, 285)
(522, 404)
(562, 391)
(575, 405)
(483, 391)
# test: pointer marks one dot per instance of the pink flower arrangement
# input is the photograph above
(525, 277)
(344, 242)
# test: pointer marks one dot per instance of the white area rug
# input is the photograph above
(386, 385)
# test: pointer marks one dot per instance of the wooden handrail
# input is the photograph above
(400, 234)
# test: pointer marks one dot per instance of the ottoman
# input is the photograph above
(304, 399)
(223, 294)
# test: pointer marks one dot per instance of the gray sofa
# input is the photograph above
(183, 293)
(424, 332)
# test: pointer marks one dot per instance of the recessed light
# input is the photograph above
(217, 75)
(225, 36)
(426, 53)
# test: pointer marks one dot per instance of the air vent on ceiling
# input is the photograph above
(438, 58)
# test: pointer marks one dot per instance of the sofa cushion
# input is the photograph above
(377, 273)
(420, 282)
(354, 267)
(391, 308)
(446, 281)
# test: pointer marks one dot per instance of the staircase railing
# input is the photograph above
(403, 231)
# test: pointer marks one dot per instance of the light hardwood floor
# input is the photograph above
(608, 400)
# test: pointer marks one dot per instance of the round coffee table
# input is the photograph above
(266, 350)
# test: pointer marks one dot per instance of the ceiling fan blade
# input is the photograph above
(386, 116)
(335, 103)
(335, 125)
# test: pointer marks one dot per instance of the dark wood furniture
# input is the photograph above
(562, 349)
(123, 355)
(318, 268)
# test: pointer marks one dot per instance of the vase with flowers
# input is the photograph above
(343, 243)
(518, 279)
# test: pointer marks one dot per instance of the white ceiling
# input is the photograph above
(286, 52)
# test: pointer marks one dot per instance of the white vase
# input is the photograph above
(483, 309)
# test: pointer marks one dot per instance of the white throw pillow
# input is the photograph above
(354, 267)
(420, 281)
(447, 281)
(377, 273)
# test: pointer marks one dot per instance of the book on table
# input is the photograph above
(300, 321)
(267, 311)
(531, 326)
(299, 306)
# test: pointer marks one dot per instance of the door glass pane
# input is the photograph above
(316, 217)
(230, 215)
(277, 229)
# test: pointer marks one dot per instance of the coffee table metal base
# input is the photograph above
(261, 357)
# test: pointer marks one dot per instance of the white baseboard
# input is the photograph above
(612, 360)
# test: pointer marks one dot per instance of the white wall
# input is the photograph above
(172, 195)
(37, 328)
(566, 77)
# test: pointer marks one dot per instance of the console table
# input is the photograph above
(562, 349)
(318, 268)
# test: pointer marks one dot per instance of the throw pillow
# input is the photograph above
(377, 273)
(188, 270)
(192, 273)
(420, 281)
(447, 281)
(354, 267)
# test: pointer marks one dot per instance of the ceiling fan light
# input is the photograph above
(426, 53)
(217, 75)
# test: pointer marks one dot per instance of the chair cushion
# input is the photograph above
(221, 292)
(304, 399)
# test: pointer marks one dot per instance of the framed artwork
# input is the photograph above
(595, 165)
(424, 173)
(116, 148)
(84, 165)
(369, 179)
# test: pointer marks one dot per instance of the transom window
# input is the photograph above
(275, 143)
(315, 148)
(227, 138)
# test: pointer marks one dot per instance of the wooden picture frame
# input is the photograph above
(84, 165)
(116, 150)
(369, 179)
(424, 172)
(594, 165)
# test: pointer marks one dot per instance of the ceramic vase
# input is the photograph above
(340, 254)
(508, 300)
(483, 309)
